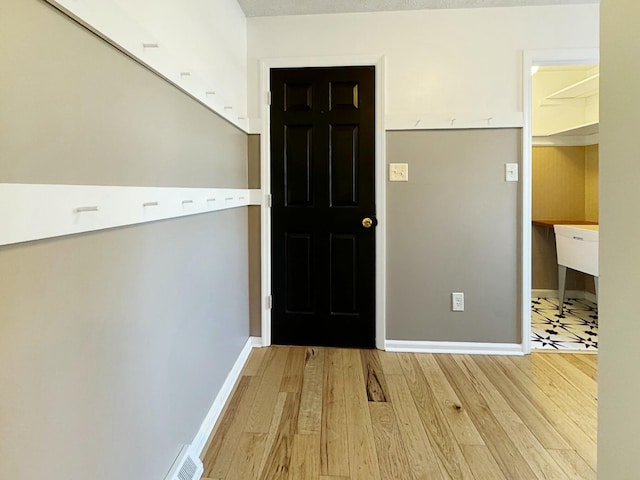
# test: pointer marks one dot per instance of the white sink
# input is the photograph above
(577, 247)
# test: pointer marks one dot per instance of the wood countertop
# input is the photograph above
(551, 223)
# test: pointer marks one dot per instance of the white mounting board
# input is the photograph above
(35, 211)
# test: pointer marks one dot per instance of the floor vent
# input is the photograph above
(186, 467)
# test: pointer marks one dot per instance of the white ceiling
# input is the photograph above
(265, 8)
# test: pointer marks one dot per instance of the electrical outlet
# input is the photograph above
(457, 302)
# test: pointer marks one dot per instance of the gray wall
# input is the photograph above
(113, 344)
(453, 227)
(255, 253)
(619, 355)
(75, 111)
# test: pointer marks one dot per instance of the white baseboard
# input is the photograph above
(210, 420)
(473, 348)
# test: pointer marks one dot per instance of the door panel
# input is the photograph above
(344, 274)
(323, 185)
(299, 273)
(298, 165)
(344, 165)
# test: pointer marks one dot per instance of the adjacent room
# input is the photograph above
(565, 101)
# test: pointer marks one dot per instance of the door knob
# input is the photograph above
(367, 222)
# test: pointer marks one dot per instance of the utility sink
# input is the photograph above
(577, 248)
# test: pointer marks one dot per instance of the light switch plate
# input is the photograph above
(510, 172)
(398, 172)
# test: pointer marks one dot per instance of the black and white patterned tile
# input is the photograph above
(575, 329)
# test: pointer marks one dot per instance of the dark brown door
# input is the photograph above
(323, 187)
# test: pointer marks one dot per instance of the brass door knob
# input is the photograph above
(367, 222)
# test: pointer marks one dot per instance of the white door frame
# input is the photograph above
(266, 65)
(582, 56)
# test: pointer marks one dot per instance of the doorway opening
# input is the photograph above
(560, 155)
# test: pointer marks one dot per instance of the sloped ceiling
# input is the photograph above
(265, 8)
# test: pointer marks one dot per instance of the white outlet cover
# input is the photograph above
(457, 301)
(398, 172)
(511, 172)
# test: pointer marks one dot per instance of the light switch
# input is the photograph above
(510, 172)
(398, 172)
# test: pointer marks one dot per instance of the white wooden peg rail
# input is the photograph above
(35, 211)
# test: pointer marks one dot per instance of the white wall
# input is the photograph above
(437, 61)
(619, 355)
(207, 39)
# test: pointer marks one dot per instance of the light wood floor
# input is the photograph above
(337, 414)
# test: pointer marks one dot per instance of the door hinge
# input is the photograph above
(269, 301)
(268, 200)
(269, 98)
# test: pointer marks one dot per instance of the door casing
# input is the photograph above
(380, 171)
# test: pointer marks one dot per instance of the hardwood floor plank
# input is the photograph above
(527, 411)
(542, 464)
(585, 367)
(422, 459)
(273, 429)
(262, 410)
(277, 464)
(565, 426)
(293, 370)
(374, 376)
(482, 463)
(576, 377)
(331, 477)
(391, 455)
(305, 458)
(389, 362)
(575, 405)
(508, 457)
(441, 437)
(561, 386)
(457, 417)
(573, 464)
(493, 397)
(256, 363)
(219, 455)
(363, 461)
(310, 417)
(334, 447)
(246, 460)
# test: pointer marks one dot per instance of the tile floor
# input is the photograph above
(576, 329)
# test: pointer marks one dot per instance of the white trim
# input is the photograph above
(36, 211)
(585, 56)
(467, 348)
(450, 121)
(255, 197)
(201, 438)
(378, 61)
